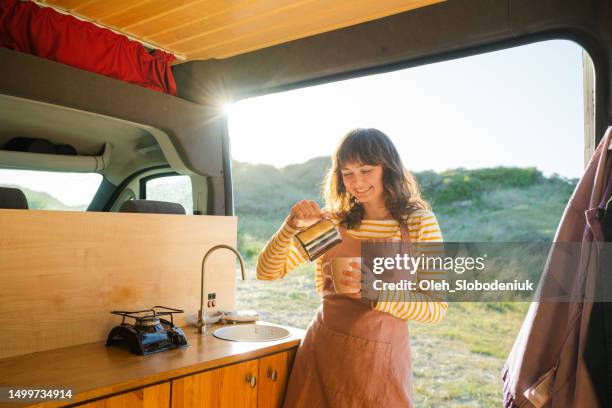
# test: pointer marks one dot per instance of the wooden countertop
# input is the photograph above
(94, 370)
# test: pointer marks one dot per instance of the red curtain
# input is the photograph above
(42, 31)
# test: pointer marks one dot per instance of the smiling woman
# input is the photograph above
(361, 180)
(368, 180)
(345, 358)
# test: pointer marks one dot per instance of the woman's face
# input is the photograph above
(364, 181)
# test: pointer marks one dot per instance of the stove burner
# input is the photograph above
(147, 323)
(150, 333)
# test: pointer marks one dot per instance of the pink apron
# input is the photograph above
(351, 355)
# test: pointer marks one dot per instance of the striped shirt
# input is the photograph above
(281, 255)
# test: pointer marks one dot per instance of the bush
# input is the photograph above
(463, 185)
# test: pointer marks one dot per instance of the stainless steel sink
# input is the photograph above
(251, 332)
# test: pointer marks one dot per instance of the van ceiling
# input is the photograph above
(206, 29)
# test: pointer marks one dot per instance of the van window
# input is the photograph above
(47, 190)
(175, 189)
(496, 143)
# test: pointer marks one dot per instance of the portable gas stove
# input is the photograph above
(149, 333)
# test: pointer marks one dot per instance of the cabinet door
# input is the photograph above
(156, 396)
(231, 386)
(273, 375)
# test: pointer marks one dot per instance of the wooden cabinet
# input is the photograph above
(231, 386)
(273, 376)
(257, 383)
(155, 396)
(209, 373)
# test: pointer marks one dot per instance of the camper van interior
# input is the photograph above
(123, 297)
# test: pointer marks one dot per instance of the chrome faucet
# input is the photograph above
(201, 323)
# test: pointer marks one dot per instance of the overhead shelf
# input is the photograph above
(55, 162)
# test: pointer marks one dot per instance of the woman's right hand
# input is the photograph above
(304, 213)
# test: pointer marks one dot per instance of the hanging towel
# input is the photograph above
(545, 367)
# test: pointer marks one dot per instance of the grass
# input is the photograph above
(506, 215)
(458, 362)
(291, 301)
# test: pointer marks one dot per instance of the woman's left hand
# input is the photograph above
(363, 280)
(352, 279)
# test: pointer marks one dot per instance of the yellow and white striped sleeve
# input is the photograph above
(422, 306)
(280, 255)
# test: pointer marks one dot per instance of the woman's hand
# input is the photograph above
(304, 214)
(361, 279)
(352, 279)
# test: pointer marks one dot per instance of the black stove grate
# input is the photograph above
(150, 333)
(154, 312)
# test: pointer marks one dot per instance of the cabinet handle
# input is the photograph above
(251, 380)
(272, 374)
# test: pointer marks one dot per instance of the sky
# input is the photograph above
(516, 107)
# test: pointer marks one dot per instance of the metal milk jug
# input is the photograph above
(318, 238)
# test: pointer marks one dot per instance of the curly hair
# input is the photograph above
(372, 147)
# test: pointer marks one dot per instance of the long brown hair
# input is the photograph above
(372, 147)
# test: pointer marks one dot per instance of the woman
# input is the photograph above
(356, 353)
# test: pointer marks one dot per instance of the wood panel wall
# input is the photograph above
(61, 273)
